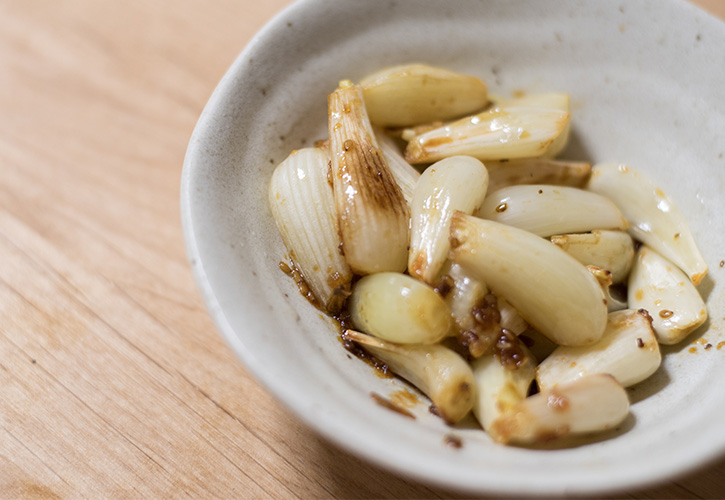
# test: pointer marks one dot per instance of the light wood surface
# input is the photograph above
(113, 380)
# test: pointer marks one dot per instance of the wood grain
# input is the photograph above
(113, 380)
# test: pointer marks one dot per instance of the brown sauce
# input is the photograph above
(294, 272)
(482, 336)
(453, 441)
(386, 403)
(666, 313)
(486, 313)
(404, 398)
(381, 369)
(509, 350)
(444, 287)
(645, 314)
(343, 322)
(284, 267)
(433, 409)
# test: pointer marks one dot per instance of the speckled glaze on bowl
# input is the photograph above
(647, 82)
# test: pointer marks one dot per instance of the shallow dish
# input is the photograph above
(647, 89)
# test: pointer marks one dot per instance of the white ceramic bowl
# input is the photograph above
(647, 82)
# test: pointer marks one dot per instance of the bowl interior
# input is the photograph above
(644, 91)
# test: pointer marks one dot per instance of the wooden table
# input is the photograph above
(113, 380)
